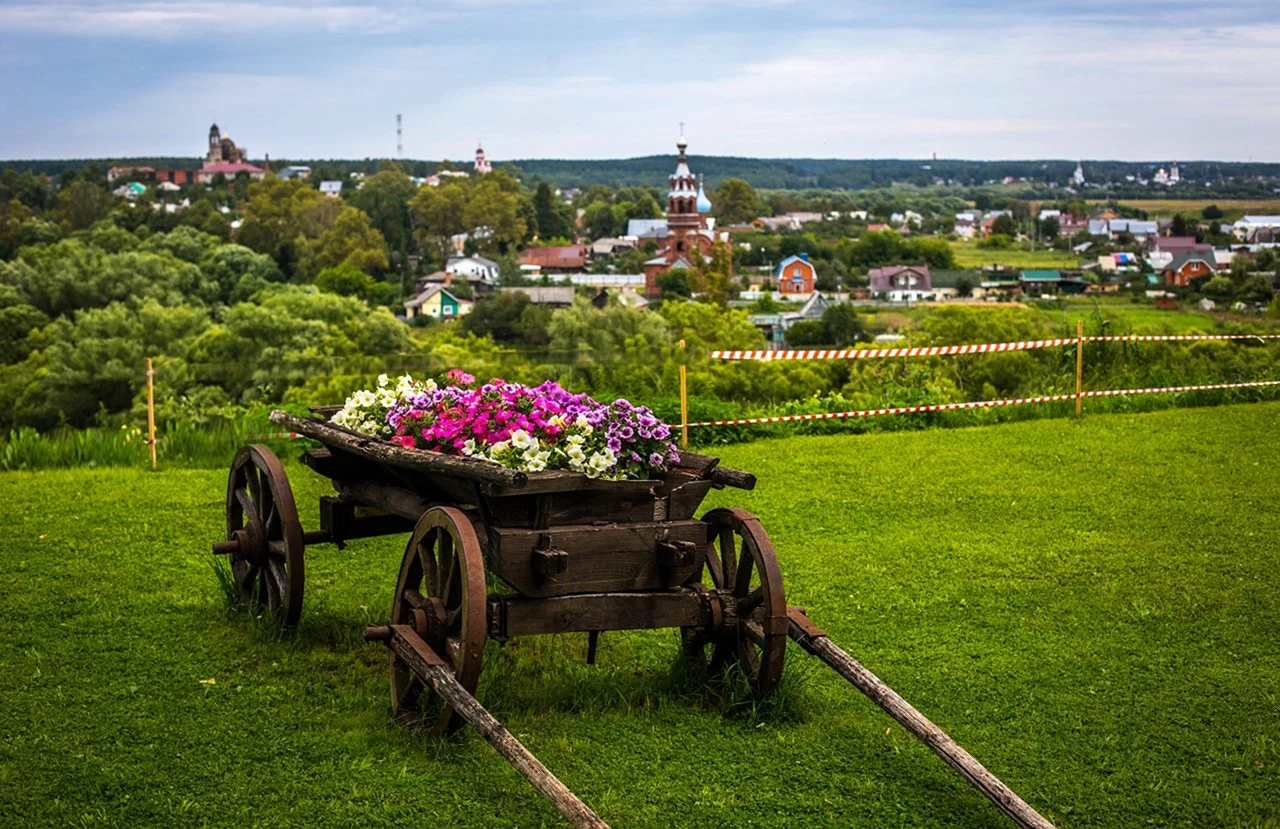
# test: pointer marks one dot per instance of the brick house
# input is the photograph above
(565, 259)
(796, 275)
(1188, 266)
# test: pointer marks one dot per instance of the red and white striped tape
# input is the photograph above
(1157, 337)
(872, 353)
(1172, 389)
(976, 348)
(978, 404)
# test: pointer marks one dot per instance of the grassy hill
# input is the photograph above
(1092, 608)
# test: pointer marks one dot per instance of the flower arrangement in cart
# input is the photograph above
(529, 428)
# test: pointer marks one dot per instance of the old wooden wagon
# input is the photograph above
(494, 553)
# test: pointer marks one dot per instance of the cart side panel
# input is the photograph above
(565, 559)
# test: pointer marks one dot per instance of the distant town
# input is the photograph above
(432, 241)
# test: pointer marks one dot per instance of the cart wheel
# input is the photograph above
(742, 563)
(441, 594)
(264, 535)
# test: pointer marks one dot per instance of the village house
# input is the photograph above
(1188, 266)
(481, 273)
(775, 326)
(331, 188)
(901, 283)
(553, 296)
(439, 303)
(796, 275)
(1046, 282)
(555, 259)
(1256, 228)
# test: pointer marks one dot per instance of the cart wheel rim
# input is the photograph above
(268, 569)
(441, 593)
(742, 565)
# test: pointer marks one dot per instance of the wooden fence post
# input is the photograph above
(1079, 366)
(684, 398)
(151, 413)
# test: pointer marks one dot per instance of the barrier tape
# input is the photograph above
(977, 348)
(872, 353)
(1157, 337)
(978, 404)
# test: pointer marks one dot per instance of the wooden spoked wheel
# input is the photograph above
(744, 570)
(441, 594)
(264, 536)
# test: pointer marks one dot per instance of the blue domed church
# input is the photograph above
(689, 224)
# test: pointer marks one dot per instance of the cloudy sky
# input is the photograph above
(1123, 79)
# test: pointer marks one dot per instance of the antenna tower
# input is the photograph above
(399, 138)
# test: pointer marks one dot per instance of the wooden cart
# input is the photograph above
(566, 553)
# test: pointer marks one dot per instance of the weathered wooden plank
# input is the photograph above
(815, 641)
(433, 671)
(510, 617)
(392, 455)
(599, 558)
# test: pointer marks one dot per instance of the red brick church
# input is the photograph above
(689, 225)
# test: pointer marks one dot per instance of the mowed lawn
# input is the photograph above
(969, 255)
(1092, 608)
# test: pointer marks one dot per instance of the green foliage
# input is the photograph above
(735, 202)
(840, 325)
(384, 198)
(1004, 225)
(996, 241)
(1211, 211)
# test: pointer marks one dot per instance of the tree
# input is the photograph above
(1211, 211)
(497, 212)
(735, 202)
(499, 316)
(385, 198)
(842, 324)
(549, 214)
(439, 213)
(352, 240)
(1255, 289)
(1049, 228)
(964, 286)
(716, 276)
(674, 284)
(1219, 288)
(1004, 225)
(81, 204)
(1178, 227)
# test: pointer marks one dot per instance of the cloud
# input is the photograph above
(964, 78)
(149, 20)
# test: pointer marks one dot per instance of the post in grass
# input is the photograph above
(684, 399)
(151, 414)
(1079, 366)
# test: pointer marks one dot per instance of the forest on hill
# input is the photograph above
(1200, 178)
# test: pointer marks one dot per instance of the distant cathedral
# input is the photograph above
(222, 150)
(482, 161)
(689, 223)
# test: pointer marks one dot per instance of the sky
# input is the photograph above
(979, 79)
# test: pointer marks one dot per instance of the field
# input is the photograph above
(1092, 608)
(969, 255)
(1232, 209)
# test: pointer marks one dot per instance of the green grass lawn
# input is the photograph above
(1092, 608)
(969, 255)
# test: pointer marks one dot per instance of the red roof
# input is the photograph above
(570, 256)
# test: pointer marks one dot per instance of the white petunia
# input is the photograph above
(521, 439)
